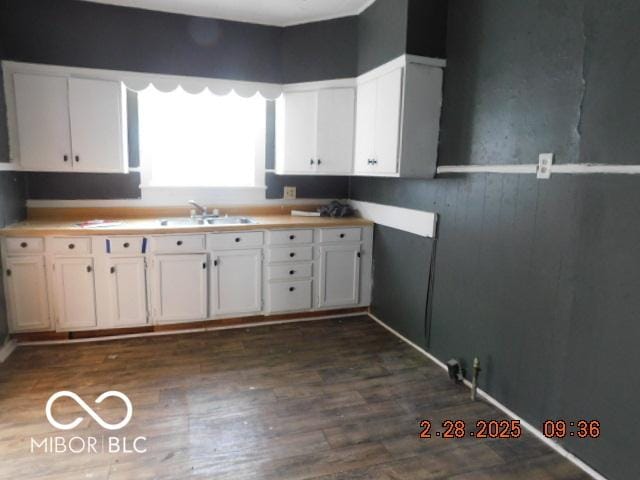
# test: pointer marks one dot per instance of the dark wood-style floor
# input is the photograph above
(317, 400)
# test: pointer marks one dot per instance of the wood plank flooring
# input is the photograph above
(331, 399)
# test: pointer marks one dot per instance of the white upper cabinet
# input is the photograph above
(398, 120)
(98, 125)
(70, 124)
(314, 132)
(42, 120)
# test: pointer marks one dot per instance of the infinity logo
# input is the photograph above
(89, 410)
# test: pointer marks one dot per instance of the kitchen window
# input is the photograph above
(201, 140)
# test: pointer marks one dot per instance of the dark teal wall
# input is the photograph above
(537, 278)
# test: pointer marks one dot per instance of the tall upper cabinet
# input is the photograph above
(66, 124)
(398, 119)
(314, 131)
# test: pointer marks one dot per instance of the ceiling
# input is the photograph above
(269, 12)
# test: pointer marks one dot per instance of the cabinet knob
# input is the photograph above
(342, 235)
(8, 272)
(319, 161)
(89, 269)
(179, 243)
(292, 272)
(238, 239)
(291, 289)
(311, 161)
(77, 158)
(292, 254)
(359, 254)
(24, 245)
(71, 246)
(65, 158)
(215, 263)
(112, 269)
(126, 245)
(204, 265)
(292, 237)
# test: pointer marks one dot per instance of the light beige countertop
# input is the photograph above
(149, 226)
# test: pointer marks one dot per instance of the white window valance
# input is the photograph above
(137, 82)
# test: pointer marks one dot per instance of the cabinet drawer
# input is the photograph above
(292, 271)
(25, 245)
(292, 254)
(178, 243)
(217, 241)
(340, 235)
(290, 237)
(71, 245)
(290, 296)
(125, 245)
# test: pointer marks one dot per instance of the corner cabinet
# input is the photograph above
(398, 120)
(314, 131)
(385, 122)
(66, 124)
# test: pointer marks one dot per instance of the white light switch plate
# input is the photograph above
(545, 160)
(289, 193)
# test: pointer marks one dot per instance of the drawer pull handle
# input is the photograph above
(292, 254)
(292, 237)
(292, 272)
(24, 244)
(342, 235)
(71, 246)
(112, 270)
(238, 239)
(8, 272)
(126, 245)
(89, 269)
(291, 289)
(179, 243)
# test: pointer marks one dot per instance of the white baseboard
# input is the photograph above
(489, 399)
(7, 349)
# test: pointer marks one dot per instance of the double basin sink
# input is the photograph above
(207, 220)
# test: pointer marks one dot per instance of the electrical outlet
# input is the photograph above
(289, 193)
(545, 160)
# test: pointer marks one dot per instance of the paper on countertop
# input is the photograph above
(302, 213)
(98, 224)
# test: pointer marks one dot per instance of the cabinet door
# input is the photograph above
(365, 126)
(388, 114)
(75, 293)
(236, 282)
(98, 125)
(336, 123)
(128, 291)
(180, 293)
(339, 275)
(297, 132)
(26, 288)
(42, 110)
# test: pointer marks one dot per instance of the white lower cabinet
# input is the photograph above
(180, 288)
(75, 293)
(128, 291)
(339, 275)
(26, 292)
(236, 282)
(97, 283)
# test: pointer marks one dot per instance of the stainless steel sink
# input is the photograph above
(188, 221)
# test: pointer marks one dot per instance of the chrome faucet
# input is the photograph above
(202, 211)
